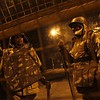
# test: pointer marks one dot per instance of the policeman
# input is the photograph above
(83, 58)
(21, 67)
(86, 54)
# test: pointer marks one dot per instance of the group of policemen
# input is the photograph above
(21, 64)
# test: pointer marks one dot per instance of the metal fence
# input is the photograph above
(14, 9)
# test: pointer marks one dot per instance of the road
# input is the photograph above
(60, 90)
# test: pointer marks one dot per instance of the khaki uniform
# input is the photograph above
(22, 68)
(32, 89)
(86, 72)
(84, 66)
(97, 41)
(86, 59)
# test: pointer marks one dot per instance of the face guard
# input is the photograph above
(77, 28)
(78, 25)
(12, 39)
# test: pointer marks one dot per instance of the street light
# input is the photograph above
(54, 32)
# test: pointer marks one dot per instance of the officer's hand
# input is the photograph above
(60, 43)
(43, 80)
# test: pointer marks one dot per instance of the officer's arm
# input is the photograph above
(35, 56)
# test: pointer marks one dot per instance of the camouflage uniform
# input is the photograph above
(86, 54)
(97, 41)
(22, 71)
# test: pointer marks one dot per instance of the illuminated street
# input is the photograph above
(56, 42)
(59, 91)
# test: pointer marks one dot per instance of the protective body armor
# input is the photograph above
(97, 41)
(21, 67)
(84, 66)
(83, 52)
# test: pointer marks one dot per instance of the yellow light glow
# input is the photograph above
(55, 31)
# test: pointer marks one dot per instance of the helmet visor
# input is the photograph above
(75, 26)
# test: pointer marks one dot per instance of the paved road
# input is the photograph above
(59, 91)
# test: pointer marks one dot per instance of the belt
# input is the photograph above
(82, 59)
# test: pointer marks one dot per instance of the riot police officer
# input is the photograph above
(21, 66)
(83, 59)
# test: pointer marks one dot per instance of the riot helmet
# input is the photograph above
(78, 25)
(18, 39)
